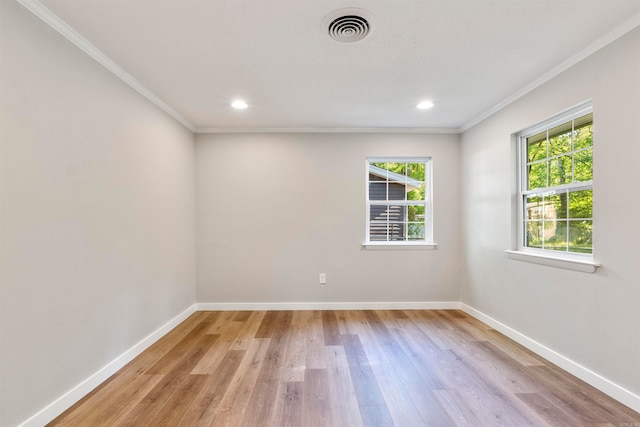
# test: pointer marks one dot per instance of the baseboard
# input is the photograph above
(606, 386)
(243, 306)
(68, 399)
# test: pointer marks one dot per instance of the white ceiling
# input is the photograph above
(193, 57)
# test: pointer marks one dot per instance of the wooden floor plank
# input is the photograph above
(205, 404)
(460, 412)
(181, 401)
(342, 368)
(235, 401)
(313, 332)
(288, 409)
(296, 352)
(110, 403)
(547, 410)
(262, 401)
(186, 347)
(344, 403)
(487, 397)
(397, 398)
(250, 323)
(316, 404)
(330, 328)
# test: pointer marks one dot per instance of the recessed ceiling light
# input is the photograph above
(424, 105)
(239, 104)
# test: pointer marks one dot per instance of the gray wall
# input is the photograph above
(275, 210)
(594, 319)
(97, 216)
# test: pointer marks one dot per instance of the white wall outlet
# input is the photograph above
(322, 278)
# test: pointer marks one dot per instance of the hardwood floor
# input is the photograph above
(342, 368)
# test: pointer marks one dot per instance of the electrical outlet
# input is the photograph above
(322, 278)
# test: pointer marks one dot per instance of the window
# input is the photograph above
(556, 179)
(399, 205)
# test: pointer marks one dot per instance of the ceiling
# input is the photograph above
(470, 57)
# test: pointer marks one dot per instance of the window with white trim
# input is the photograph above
(556, 180)
(399, 202)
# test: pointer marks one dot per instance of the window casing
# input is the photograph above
(555, 189)
(399, 201)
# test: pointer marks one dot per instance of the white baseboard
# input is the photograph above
(68, 399)
(598, 381)
(242, 306)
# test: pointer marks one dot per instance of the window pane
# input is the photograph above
(377, 235)
(378, 190)
(379, 225)
(415, 213)
(583, 165)
(534, 234)
(560, 139)
(381, 165)
(537, 147)
(533, 207)
(581, 204)
(415, 171)
(537, 175)
(378, 213)
(395, 213)
(560, 171)
(397, 191)
(583, 136)
(415, 231)
(555, 206)
(416, 193)
(396, 231)
(397, 168)
(580, 239)
(555, 235)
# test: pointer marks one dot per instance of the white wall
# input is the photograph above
(594, 319)
(97, 216)
(274, 210)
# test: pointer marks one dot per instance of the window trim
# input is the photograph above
(520, 252)
(428, 243)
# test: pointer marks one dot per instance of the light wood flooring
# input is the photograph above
(342, 368)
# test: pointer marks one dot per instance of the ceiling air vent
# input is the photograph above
(348, 25)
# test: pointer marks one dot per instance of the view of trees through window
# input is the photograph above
(397, 201)
(558, 197)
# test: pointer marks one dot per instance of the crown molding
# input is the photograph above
(38, 9)
(607, 39)
(331, 130)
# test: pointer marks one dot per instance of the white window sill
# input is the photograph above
(393, 246)
(585, 266)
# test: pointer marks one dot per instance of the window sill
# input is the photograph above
(394, 246)
(566, 263)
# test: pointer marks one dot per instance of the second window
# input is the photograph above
(399, 200)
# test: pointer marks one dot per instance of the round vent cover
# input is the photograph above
(348, 25)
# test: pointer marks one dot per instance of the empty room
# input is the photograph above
(319, 213)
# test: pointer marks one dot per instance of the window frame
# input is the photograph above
(428, 242)
(521, 252)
